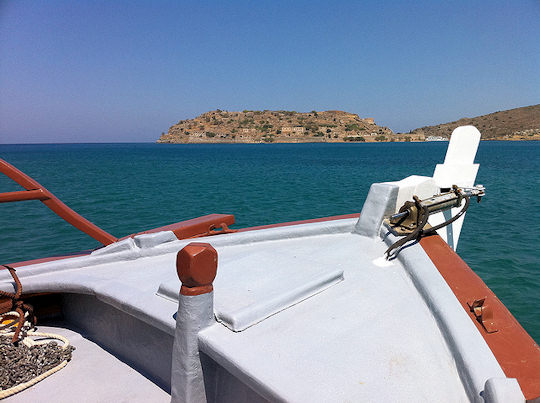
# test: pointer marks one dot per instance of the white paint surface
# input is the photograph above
(264, 282)
(458, 169)
(463, 146)
(93, 375)
(421, 186)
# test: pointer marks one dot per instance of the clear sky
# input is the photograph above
(107, 71)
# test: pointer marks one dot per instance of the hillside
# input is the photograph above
(337, 126)
(276, 126)
(513, 124)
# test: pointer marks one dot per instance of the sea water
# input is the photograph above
(127, 188)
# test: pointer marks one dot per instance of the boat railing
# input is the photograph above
(35, 191)
(193, 228)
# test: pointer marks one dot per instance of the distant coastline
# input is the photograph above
(339, 127)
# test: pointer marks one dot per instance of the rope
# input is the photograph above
(17, 305)
(23, 360)
(30, 357)
(22, 386)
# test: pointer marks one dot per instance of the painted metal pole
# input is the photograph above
(196, 265)
(34, 191)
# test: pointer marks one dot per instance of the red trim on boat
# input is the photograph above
(516, 351)
(182, 230)
(189, 229)
(285, 224)
(194, 227)
(46, 259)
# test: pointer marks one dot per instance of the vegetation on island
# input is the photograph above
(512, 124)
(337, 127)
(275, 127)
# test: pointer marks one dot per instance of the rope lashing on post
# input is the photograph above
(26, 356)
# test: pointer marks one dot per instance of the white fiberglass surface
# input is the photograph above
(368, 337)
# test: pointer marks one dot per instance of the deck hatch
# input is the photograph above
(258, 285)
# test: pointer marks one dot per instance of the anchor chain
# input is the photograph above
(22, 363)
(26, 356)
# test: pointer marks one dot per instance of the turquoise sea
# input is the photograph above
(126, 188)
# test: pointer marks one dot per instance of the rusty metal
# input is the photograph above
(34, 191)
(22, 364)
(212, 230)
(409, 216)
(419, 223)
(483, 314)
(412, 218)
(407, 219)
(224, 229)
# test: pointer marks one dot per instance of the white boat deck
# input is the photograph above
(370, 337)
(93, 375)
(360, 332)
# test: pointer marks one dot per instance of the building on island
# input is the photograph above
(436, 138)
(292, 129)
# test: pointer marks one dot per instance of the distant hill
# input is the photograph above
(337, 126)
(277, 126)
(513, 124)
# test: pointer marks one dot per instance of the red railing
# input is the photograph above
(34, 191)
(195, 227)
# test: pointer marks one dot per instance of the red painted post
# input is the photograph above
(196, 265)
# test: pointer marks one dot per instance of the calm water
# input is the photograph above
(125, 188)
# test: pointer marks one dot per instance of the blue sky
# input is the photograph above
(107, 71)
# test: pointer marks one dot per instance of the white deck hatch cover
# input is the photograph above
(251, 288)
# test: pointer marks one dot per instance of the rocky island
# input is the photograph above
(279, 127)
(266, 126)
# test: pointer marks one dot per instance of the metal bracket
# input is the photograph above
(212, 230)
(407, 219)
(483, 314)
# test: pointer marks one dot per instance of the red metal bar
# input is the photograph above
(35, 191)
(36, 194)
(23, 263)
(194, 227)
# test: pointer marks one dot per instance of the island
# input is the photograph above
(249, 126)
